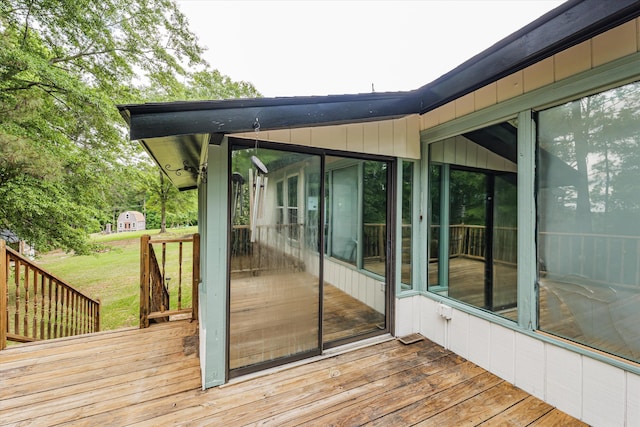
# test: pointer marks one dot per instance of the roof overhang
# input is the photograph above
(175, 133)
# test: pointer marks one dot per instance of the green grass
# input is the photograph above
(113, 275)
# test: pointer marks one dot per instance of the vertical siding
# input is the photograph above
(360, 286)
(593, 391)
(632, 413)
(603, 394)
(461, 151)
(611, 45)
(530, 359)
(397, 138)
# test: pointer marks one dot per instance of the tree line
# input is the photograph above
(65, 157)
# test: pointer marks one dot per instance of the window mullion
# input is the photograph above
(527, 264)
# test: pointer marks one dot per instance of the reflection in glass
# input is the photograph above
(473, 218)
(434, 225)
(354, 302)
(588, 198)
(374, 202)
(407, 229)
(468, 194)
(505, 244)
(274, 277)
(344, 213)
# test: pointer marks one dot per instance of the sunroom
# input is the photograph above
(493, 211)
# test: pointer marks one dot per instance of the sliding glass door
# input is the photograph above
(356, 258)
(294, 289)
(274, 313)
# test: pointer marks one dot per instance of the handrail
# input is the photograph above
(36, 305)
(159, 278)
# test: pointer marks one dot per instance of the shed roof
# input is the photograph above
(137, 216)
(175, 133)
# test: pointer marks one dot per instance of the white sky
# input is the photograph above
(298, 48)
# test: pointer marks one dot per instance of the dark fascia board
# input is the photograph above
(567, 25)
(236, 116)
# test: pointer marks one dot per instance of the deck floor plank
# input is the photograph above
(152, 377)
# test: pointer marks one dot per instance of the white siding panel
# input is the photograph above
(459, 333)
(603, 393)
(379, 303)
(633, 400)
(483, 153)
(437, 152)
(461, 150)
(400, 138)
(362, 288)
(413, 137)
(479, 342)
(386, 137)
(502, 353)
(432, 325)
(344, 275)
(449, 155)
(494, 162)
(472, 154)
(371, 138)
(564, 380)
(355, 138)
(404, 316)
(530, 362)
(370, 297)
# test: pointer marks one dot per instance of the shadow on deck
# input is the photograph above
(152, 377)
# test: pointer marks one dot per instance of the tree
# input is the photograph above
(63, 66)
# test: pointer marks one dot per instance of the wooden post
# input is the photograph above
(144, 281)
(4, 266)
(196, 276)
(97, 315)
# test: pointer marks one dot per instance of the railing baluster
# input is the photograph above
(26, 301)
(4, 293)
(16, 274)
(50, 301)
(180, 276)
(67, 307)
(34, 321)
(42, 303)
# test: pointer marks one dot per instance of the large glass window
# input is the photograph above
(588, 201)
(344, 214)
(374, 216)
(473, 219)
(406, 264)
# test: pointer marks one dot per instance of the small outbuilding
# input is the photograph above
(131, 221)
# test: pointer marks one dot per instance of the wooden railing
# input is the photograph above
(276, 248)
(169, 281)
(36, 305)
(610, 259)
(470, 241)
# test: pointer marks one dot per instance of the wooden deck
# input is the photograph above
(151, 377)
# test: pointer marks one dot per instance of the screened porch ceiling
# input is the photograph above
(176, 134)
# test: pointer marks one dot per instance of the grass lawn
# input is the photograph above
(113, 275)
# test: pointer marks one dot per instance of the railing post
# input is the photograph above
(4, 266)
(97, 315)
(144, 281)
(195, 276)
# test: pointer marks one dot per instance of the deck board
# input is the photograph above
(151, 377)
